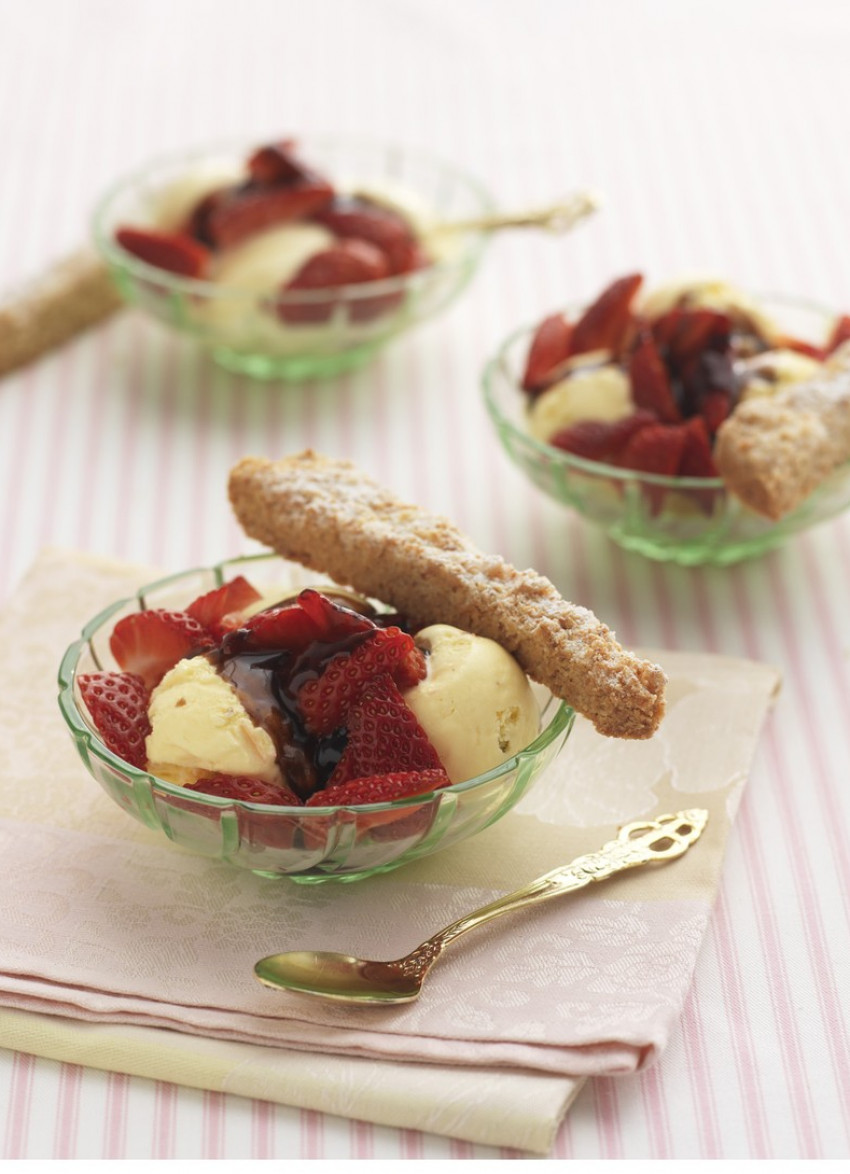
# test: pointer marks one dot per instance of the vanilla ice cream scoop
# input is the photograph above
(595, 391)
(476, 704)
(199, 725)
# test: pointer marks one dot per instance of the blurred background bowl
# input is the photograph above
(237, 326)
(687, 520)
(307, 844)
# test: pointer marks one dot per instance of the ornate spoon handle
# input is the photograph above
(640, 843)
(558, 217)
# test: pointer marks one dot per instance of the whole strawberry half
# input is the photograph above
(149, 643)
(277, 164)
(384, 735)
(550, 347)
(219, 610)
(325, 701)
(351, 262)
(608, 321)
(173, 251)
(118, 704)
(293, 627)
(352, 217)
(241, 212)
(381, 788)
(245, 789)
(650, 382)
(601, 440)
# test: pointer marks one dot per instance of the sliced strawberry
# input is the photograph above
(333, 619)
(715, 407)
(278, 163)
(681, 335)
(219, 610)
(351, 262)
(601, 440)
(293, 627)
(150, 643)
(352, 217)
(383, 788)
(607, 322)
(248, 790)
(656, 448)
(174, 251)
(287, 628)
(650, 383)
(325, 701)
(383, 735)
(244, 211)
(118, 704)
(789, 343)
(549, 348)
(840, 334)
(697, 459)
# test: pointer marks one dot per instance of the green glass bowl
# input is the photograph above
(306, 844)
(691, 521)
(235, 326)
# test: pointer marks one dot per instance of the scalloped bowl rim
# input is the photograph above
(560, 723)
(120, 257)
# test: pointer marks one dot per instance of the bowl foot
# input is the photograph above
(294, 368)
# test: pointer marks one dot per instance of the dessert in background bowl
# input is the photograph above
(639, 412)
(292, 260)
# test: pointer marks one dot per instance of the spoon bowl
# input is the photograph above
(347, 979)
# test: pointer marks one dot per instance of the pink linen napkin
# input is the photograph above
(105, 922)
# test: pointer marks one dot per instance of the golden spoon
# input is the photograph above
(556, 218)
(355, 980)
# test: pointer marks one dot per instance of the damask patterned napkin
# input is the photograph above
(113, 941)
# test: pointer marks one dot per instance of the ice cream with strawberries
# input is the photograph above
(273, 227)
(306, 702)
(644, 381)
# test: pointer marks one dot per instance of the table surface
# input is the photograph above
(717, 135)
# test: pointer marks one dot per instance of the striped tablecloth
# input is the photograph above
(717, 135)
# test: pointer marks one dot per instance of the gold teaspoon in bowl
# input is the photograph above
(355, 980)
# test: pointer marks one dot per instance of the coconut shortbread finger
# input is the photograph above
(329, 516)
(76, 294)
(773, 452)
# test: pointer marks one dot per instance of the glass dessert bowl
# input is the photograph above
(687, 518)
(221, 286)
(308, 843)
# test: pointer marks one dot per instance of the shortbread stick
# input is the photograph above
(76, 294)
(773, 452)
(332, 518)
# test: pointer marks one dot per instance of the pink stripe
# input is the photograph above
(262, 1129)
(743, 1042)
(607, 1117)
(19, 1106)
(214, 1121)
(158, 472)
(651, 1085)
(312, 1134)
(411, 1144)
(67, 1113)
(164, 1120)
(788, 1036)
(115, 1122)
(22, 431)
(362, 1137)
(699, 1070)
(124, 500)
